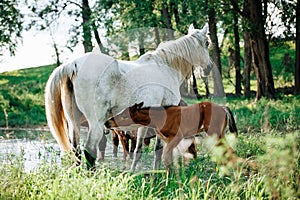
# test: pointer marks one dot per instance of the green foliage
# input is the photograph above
(131, 23)
(282, 69)
(280, 165)
(10, 25)
(22, 96)
(282, 57)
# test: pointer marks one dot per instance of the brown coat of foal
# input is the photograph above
(173, 123)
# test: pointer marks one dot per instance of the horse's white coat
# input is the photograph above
(103, 86)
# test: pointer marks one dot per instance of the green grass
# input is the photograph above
(22, 97)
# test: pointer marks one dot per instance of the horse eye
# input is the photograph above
(207, 43)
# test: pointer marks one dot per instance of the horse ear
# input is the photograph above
(133, 109)
(205, 29)
(191, 29)
(140, 105)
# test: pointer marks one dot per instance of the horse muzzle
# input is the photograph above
(206, 71)
(110, 124)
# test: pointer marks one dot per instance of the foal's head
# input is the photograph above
(128, 119)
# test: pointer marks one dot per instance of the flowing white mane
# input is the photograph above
(180, 54)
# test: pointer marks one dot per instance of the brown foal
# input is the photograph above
(174, 123)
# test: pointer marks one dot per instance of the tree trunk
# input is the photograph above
(87, 33)
(56, 50)
(247, 55)
(167, 21)
(205, 80)
(174, 8)
(97, 37)
(247, 64)
(297, 64)
(195, 86)
(237, 61)
(141, 39)
(260, 51)
(157, 36)
(217, 70)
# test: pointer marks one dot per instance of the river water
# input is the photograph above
(34, 148)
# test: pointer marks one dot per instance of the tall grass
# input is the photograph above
(276, 176)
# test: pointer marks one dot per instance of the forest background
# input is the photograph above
(241, 31)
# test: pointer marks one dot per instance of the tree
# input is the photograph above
(217, 70)
(259, 46)
(247, 64)
(131, 22)
(86, 26)
(297, 66)
(237, 56)
(247, 55)
(260, 51)
(47, 14)
(290, 21)
(10, 26)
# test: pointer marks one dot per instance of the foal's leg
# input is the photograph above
(132, 147)
(125, 144)
(168, 149)
(115, 141)
(158, 153)
(138, 149)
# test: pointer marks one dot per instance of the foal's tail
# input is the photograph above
(58, 90)
(232, 125)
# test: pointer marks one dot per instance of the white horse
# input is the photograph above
(98, 87)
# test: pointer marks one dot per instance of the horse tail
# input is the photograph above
(58, 89)
(232, 125)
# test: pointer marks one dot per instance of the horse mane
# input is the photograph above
(180, 53)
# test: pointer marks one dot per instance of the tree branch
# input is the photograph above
(235, 5)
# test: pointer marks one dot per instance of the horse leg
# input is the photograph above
(125, 143)
(94, 140)
(158, 153)
(76, 137)
(168, 149)
(138, 149)
(102, 147)
(172, 152)
(132, 146)
(128, 155)
(193, 149)
(115, 141)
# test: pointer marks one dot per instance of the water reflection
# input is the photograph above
(34, 148)
(32, 152)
